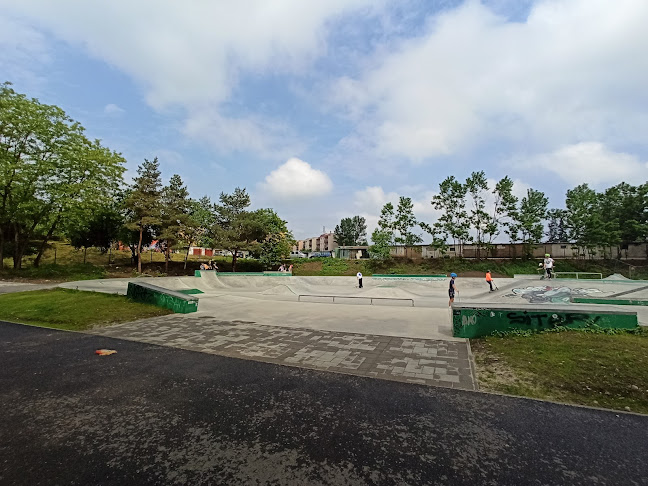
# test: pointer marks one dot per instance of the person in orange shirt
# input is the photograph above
(489, 280)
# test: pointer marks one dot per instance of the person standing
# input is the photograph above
(453, 288)
(489, 280)
(548, 265)
(359, 277)
(290, 269)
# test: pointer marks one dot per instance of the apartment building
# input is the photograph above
(323, 242)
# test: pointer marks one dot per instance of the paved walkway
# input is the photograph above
(423, 361)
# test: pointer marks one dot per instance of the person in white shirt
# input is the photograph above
(359, 277)
(548, 265)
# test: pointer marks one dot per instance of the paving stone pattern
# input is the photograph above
(423, 361)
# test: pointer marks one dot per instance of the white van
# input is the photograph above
(297, 254)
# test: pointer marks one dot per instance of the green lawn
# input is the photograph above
(603, 370)
(73, 310)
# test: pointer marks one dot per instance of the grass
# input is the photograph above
(464, 267)
(602, 370)
(62, 262)
(72, 309)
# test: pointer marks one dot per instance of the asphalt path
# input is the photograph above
(159, 415)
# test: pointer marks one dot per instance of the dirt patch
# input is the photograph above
(495, 375)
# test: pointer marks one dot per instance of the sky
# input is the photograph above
(326, 109)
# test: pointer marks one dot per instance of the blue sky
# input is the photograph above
(327, 109)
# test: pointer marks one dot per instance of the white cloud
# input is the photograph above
(191, 56)
(255, 134)
(590, 162)
(296, 179)
(112, 109)
(574, 70)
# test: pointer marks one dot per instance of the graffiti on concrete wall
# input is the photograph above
(547, 294)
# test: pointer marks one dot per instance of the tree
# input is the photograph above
(278, 240)
(503, 207)
(382, 241)
(143, 203)
(404, 223)
(199, 225)
(98, 229)
(351, 231)
(174, 217)
(557, 226)
(586, 222)
(527, 220)
(383, 236)
(453, 223)
(397, 224)
(237, 229)
(48, 171)
(476, 187)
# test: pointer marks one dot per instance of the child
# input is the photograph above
(548, 264)
(452, 289)
(489, 280)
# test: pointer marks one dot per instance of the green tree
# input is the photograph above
(503, 207)
(199, 225)
(478, 218)
(381, 247)
(143, 203)
(405, 222)
(453, 224)
(174, 218)
(351, 231)
(236, 228)
(527, 220)
(556, 226)
(587, 224)
(278, 240)
(48, 169)
(98, 229)
(383, 237)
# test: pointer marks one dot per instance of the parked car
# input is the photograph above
(298, 254)
(316, 254)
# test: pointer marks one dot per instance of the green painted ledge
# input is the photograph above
(472, 321)
(585, 300)
(169, 299)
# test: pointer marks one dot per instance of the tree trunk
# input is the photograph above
(1, 247)
(234, 257)
(139, 250)
(166, 258)
(17, 257)
(85, 254)
(187, 256)
(44, 243)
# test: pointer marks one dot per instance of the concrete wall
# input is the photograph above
(469, 321)
(634, 251)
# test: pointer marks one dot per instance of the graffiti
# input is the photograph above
(468, 320)
(549, 320)
(546, 294)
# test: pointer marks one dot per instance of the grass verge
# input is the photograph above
(601, 370)
(73, 310)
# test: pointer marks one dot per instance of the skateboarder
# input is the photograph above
(452, 289)
(359, 277)
(489, 280)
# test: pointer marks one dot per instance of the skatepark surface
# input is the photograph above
(393, 307)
